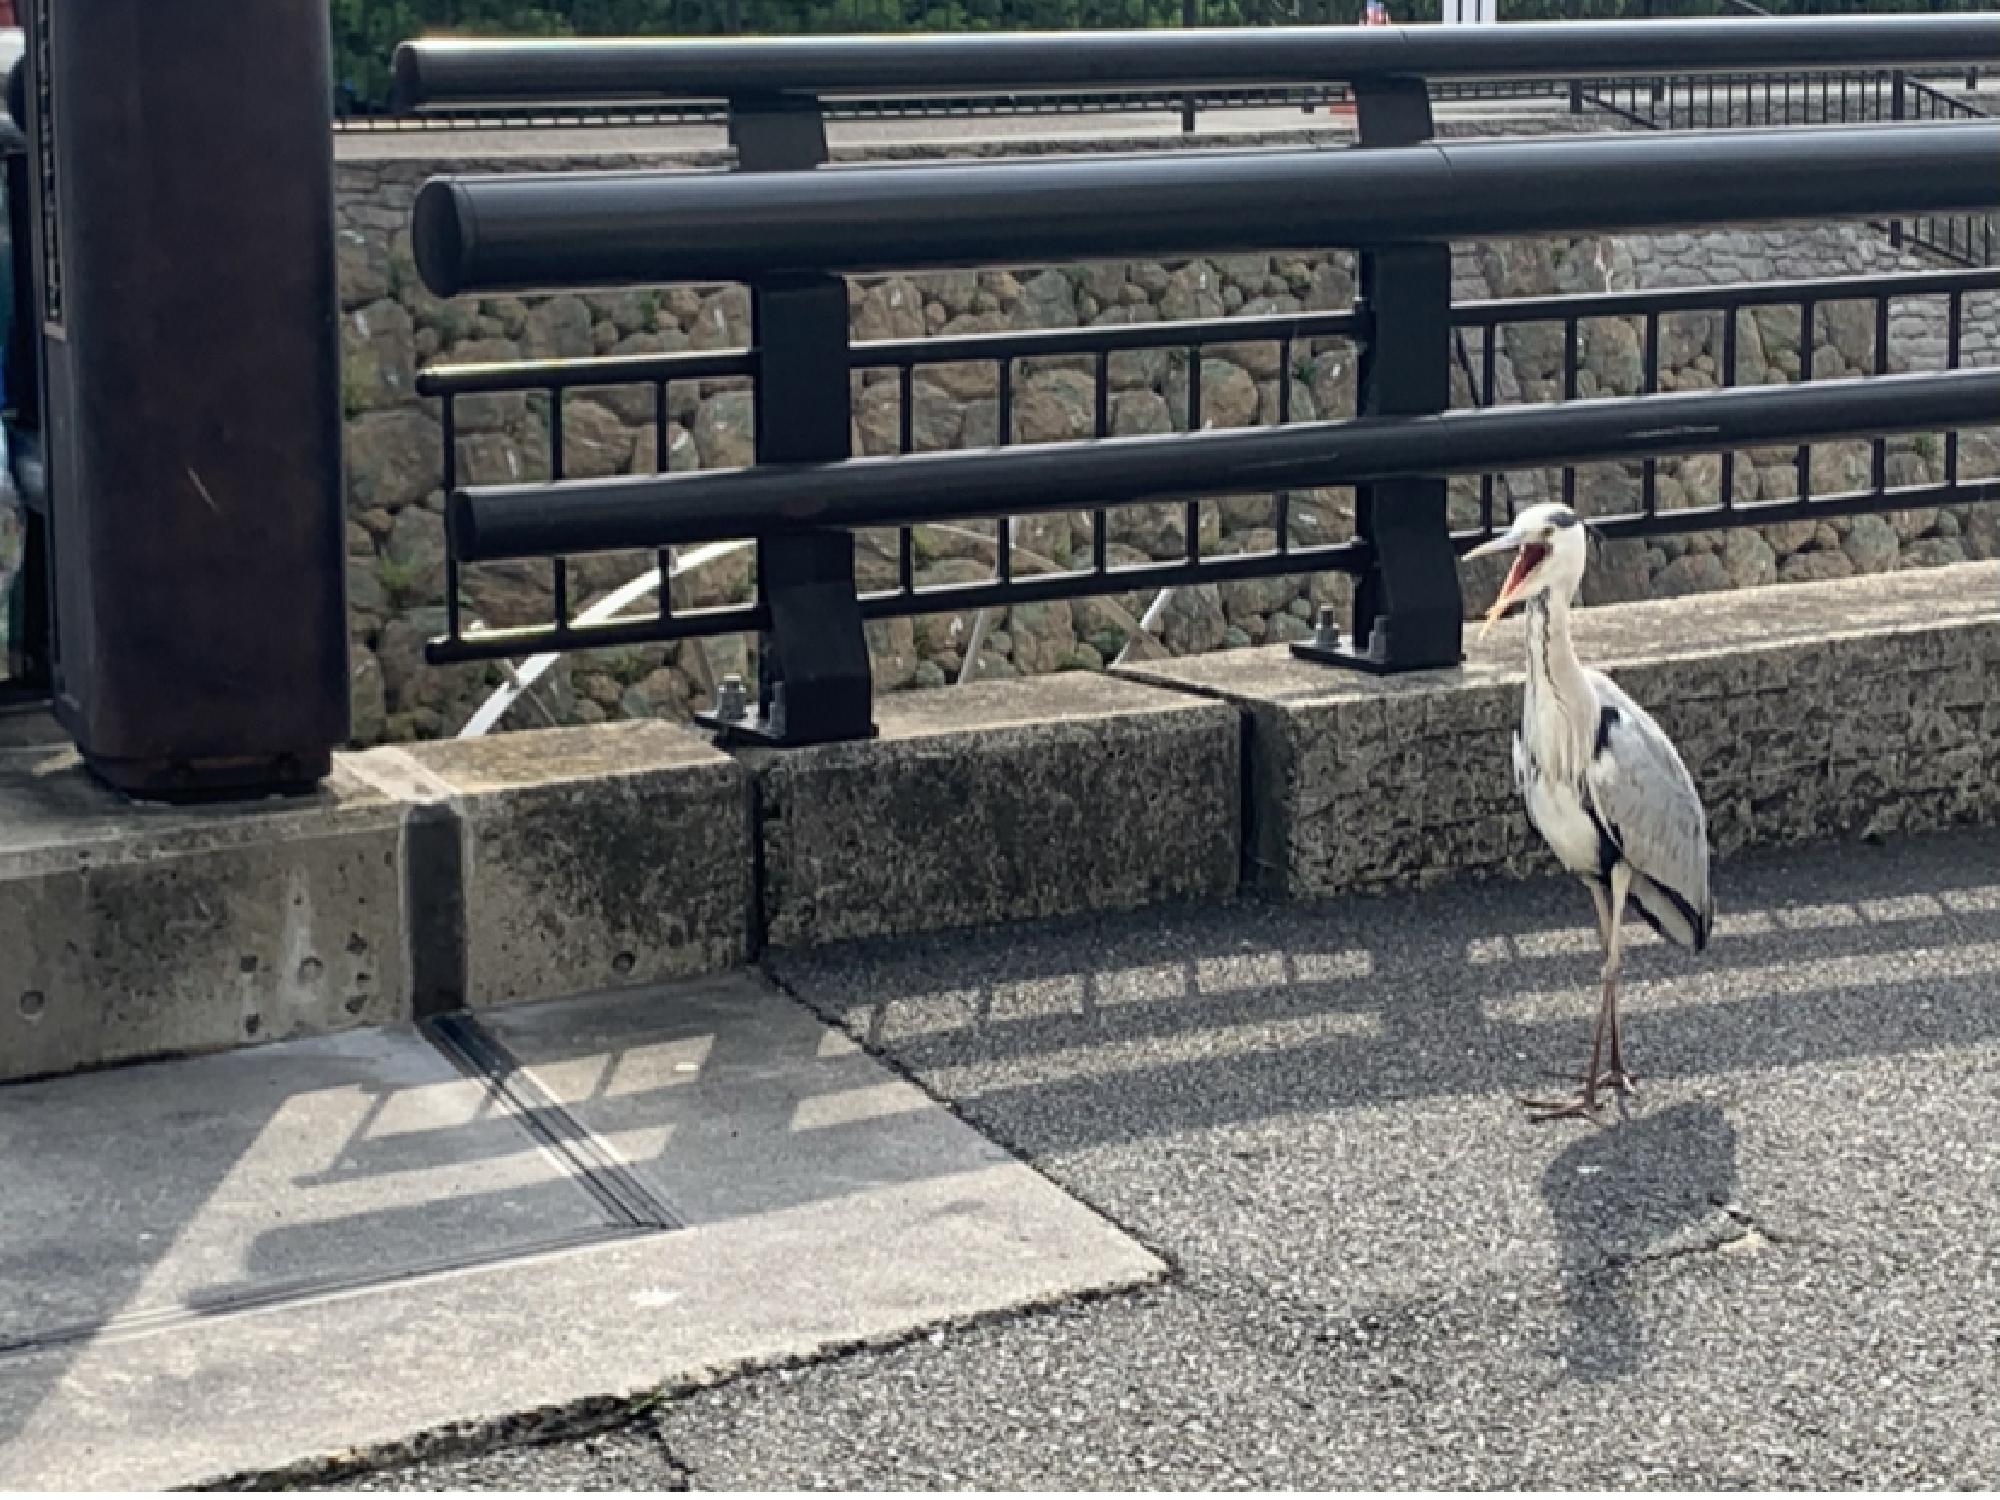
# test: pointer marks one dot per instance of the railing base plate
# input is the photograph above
(757, 730)
(1345, 655)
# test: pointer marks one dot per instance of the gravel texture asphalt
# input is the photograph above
(1778, 1267)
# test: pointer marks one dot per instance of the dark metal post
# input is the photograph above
(1190, 20)
(814, 683)
(27, 676)
(1408, 611)
(187, 301)
(1898, 104)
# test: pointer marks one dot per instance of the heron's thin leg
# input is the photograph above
(1616, 1074)
(1621, 885)
(1613, 912)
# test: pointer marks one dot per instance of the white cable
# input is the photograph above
(520, 680)
(495, 708)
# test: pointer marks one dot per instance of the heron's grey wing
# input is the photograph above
(1643, 794)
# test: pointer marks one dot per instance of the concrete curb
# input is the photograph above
(1859, 706)
(129, 932)
(556, 862)
(1000, 802)
(418, 880)
(583, 859)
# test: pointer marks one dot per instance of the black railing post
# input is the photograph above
(1190, 20)
(813, 679)
(1898, 105)
(27, 674)
(1408, 611)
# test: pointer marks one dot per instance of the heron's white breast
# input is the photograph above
(1558, 812)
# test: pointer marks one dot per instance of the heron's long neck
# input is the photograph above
(1557, 693)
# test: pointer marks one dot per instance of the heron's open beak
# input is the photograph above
(1526, 560)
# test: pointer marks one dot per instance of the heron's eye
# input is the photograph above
(1566, 519)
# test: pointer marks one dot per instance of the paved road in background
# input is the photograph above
(1089, 130)
(1778, 1270)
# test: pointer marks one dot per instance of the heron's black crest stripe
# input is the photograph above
(1606, 722)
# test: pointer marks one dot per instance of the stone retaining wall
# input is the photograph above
(392, 327)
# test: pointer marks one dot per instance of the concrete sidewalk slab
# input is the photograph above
(826, 1203)
(728, 1102)
(146, 1194)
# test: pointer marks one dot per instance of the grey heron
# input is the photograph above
(1602, 782)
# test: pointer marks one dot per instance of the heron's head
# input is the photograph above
(1549, 547)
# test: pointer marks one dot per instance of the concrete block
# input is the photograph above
(137, 1197)
(1001, 802)
(1358, 782)
(131, 931)
(411, 1259)
(588, 859)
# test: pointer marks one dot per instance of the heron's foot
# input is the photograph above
(1583, 1106)
(1615, 1079)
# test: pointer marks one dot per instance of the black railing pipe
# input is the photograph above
(514, 233)
(445, 72)
(494, 523)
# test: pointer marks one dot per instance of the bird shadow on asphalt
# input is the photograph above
(1620, 1198)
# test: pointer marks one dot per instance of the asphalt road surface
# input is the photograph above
(1779, 1268)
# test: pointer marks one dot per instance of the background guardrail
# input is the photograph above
(365, 36)
(1838, 96)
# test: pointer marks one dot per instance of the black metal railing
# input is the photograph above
(1743, 100)
(452, 84)
(1400, 200)
(1825, 97)
(440, 72)
(365, 82)
(1967, 239)
(1482, 326)
(1945, 292)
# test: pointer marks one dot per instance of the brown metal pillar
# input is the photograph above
(186, 292)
